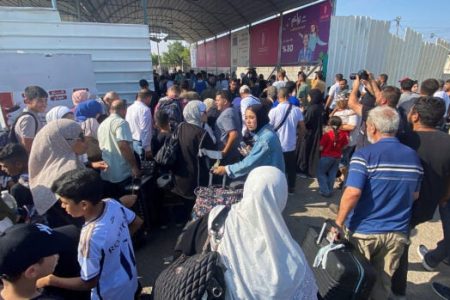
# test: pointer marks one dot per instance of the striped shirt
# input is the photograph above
(388, 173)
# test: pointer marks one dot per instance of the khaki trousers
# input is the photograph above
(383, 251)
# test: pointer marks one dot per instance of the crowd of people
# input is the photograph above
(69, 175)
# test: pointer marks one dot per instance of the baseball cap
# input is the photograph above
(23, 245)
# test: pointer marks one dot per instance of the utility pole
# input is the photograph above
(397, 22)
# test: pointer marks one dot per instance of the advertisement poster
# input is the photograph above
(211, 54)
(240, 43)
(264, 43)
(223, 52)
(305, 34)
(201, 56)
(193, 51)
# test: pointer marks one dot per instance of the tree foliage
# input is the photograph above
(154, 59)
(176, 55)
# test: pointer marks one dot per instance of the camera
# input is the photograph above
(362, 74)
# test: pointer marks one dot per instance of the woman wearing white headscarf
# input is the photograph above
(59, 112)
(54, 152)
(190, 171)
(262, 259)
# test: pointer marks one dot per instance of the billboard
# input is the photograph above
(211, 54)
(201, 56)
(264, 43)
(223, 52)
(240, 43)
(305, 34)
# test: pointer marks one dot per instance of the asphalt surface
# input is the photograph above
(306, 208)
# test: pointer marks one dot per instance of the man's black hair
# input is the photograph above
(429, 86)
(392, 95)
(339, 76)
(430, 110)
(283, 93)
(290, 86)
(13, 152)
(143, 84)
(225, 95)
(78, 185)
(144, 93)
(161, 118)
(384, 76)
(35, 92)
(184, 85)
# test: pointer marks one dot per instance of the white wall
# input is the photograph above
(121, 53)
(362, 43)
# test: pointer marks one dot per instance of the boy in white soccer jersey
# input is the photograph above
(105, 251)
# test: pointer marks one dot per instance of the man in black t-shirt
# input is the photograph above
(433, 148)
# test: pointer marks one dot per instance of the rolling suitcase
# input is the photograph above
(347, 274)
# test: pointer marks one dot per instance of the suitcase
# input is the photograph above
(348, 275)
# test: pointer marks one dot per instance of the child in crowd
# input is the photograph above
(27, 253)
(331, 145)
(105, 250)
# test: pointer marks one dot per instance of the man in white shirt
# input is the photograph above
(334, 90)
(247, 100)
(281, 79)
(441, 93)
(286, 119)
(139, 116)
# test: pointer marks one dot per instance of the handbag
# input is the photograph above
(209, 197)
(168, 154)
(196, 277)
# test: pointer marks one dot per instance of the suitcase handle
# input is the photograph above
(323, 231)
(224, 179)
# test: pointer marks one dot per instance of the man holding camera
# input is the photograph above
(372, 97)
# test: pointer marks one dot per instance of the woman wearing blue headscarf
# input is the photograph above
(86, 114)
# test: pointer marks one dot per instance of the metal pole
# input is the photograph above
(144, 7)
(54, 5)
(159, 58)
(78, 10)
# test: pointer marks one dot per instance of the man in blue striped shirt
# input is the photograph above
(384, 180)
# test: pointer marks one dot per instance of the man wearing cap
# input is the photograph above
(27, 253)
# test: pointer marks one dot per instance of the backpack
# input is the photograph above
(8, 135)
(172, 108)
(168, 154)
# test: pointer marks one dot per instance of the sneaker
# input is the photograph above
(441, 290)
(422, 250)
(334, 208)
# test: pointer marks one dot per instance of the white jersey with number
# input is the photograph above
(106, 250)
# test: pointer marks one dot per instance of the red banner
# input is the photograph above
(201, 56)
(264, 43)
(211, 54)
(223, 52)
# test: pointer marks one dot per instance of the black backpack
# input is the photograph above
(8, 135)
(167, 155)
(173, 109)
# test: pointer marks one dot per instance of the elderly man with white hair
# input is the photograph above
(247, 100)
(383, 182)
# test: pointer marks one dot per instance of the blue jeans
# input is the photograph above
(326, 174)
(442, 250)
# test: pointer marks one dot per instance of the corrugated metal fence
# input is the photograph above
(120, 52)
(362, 43)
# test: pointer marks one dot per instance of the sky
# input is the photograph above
(416, 14)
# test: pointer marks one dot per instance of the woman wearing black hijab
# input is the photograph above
(265, 146)
(309, 155)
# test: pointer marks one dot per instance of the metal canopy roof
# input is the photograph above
(190, 20)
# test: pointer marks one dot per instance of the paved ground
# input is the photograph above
(304, 209)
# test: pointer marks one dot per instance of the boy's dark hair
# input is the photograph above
(430, 110)
(143, 84)
(429, 86)
(290, 86)
(162, 118)
(225, 95)
(13, 152)
(392, 95)
(35, 92)
(407, 84)
(78, 185)
(283, 93)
